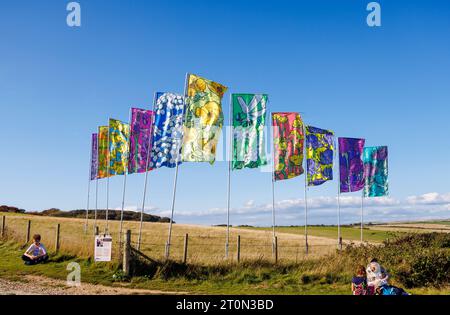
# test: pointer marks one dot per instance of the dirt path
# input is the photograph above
(38, 285)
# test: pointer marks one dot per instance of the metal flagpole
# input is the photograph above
(169, 237)
(339, 196)
(306, 194)
(96, 204)
(273, 188)
(230, 158)
(123, 206)
(89, 193)
(145, 181)
(362, 215)
(107, 185)
(125, 183)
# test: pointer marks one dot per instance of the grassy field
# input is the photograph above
(329, 276)
(206, 244)
(323, 271)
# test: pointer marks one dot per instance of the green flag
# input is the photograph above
(249, 118)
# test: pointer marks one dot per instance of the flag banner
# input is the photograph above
(119, 135)
(319, 155)
(140, 140)
(94, 156)
(288, 142)
(203, 120)
(103, 151)
(376, 171)
(167, 130)
(351, 167)
(249, 119)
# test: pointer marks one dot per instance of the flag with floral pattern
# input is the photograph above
(203, 119)
(140, 140)
(167, 130)
(288, 142)
(319, 155)
(94, 156)
(376, 171)
(119, 135)
(103, 151)
(249, 119)
(351, 168)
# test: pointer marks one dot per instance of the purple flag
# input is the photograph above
(94, 156)
(351, 167)
(140, 139)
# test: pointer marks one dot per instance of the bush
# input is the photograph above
(415, 260)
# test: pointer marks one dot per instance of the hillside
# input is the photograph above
(81, 213)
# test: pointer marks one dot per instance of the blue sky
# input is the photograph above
(389, 85)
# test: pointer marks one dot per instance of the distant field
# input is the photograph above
(370, 234)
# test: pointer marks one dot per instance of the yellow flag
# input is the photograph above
(203, 119)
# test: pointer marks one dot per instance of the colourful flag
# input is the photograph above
(203, 120)
(351, 168)
(119, 135)
(140, 140)
(103, 151)
(249, 119)
(319, 155)
(94, 156)
(376, 171)
(288, 142)
(168, 130)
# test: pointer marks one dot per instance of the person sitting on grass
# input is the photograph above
(36, 253)
(377, 278)
(359, 283)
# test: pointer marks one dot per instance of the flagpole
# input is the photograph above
(230, 158)
(339, 196)
(107, 185)
(272, 175)
(146, 179)
(96, 202)
(87, 208)
(362, 215)
(89, 192)
(169, 237)
(306, 193)
(125, 172)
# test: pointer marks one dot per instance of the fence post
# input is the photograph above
(28, 232)
(186, 237)
(126, 253)
(340, 243)
(3, 225)
(96, 230)
(276, 249)
(238, 248)
(57, 238)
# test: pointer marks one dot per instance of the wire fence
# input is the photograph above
(68, 236)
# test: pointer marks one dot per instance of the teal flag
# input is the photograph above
(249, 119)
(376, 171)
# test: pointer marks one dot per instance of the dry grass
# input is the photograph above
(413, 227)
(206, 244)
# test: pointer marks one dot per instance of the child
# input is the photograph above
(36, 253)
(359, 282)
